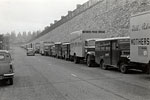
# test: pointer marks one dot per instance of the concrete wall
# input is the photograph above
(112, 16)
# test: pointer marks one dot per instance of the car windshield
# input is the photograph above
(2, 57)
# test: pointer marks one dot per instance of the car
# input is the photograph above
(30, 52)
(6, 67)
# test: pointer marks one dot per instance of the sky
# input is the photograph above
(32, 15)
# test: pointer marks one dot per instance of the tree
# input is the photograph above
(13, 37)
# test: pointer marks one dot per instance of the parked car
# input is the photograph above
(6, 67)
(30, 52)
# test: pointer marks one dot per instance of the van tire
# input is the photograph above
(9, 81)
(123, 68)
(76, 60)
(102, 65)
(145, 70)
(89, 62)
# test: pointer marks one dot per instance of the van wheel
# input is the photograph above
(9, 81)
(123, 68)
(89, 63)
(103, 66)
(76, 61)
(65, 57)
(144, 70)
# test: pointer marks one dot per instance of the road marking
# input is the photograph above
(74, 75)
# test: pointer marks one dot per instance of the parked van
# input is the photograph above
(66, 50)
(58, 49)
(112, 52)
(78, 48)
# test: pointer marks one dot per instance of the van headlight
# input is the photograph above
(128, 57)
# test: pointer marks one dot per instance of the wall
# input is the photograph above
(112, 16)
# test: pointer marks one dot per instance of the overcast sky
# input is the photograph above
(32, 15)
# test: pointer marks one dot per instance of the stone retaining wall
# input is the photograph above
(111, 16)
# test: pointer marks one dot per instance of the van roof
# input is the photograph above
(29, 48)
(65, 43)
(57, 42)
(92, 39)
(115, 38)
(140, 13)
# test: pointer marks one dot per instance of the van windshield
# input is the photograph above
(125, 46)
(30, 49)
(90, 43)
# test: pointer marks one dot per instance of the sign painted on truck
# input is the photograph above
(140, 37)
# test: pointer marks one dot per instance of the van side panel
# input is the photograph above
(140, 38)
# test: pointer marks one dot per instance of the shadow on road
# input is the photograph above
(146, 77)
(131, 71)
(3, 83)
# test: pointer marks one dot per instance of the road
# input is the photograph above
(47, 78)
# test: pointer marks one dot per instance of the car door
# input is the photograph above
(4, 63)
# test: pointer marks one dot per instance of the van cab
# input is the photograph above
(6, 67)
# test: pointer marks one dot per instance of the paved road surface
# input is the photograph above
(46, 78)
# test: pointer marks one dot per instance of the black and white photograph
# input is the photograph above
(74, 49)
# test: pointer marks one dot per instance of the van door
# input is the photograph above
(115, 52)
(107, 52)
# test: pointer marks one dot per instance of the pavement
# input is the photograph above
(47, 78)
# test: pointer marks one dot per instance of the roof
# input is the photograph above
(65, 43)
(92, 39)
(29, 48)
(48, 44)
(140, 13)
(57, 42)
(115, 38)
(76, 32)
(5, 51)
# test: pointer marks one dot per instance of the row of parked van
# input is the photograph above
(114, 52)
(94, 46)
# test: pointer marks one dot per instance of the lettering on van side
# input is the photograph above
(144, 26)
(140, 41)
(135, 28)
